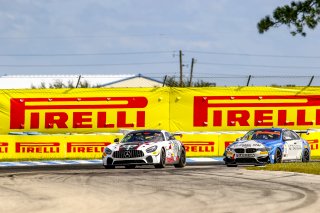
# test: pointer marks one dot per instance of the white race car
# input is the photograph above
(145, 147)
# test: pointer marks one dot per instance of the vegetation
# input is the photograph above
(58, 84)
(309, 168)
(171, 81)
(298, 15)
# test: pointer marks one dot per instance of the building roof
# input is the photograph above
(134, 81)
(27, 81)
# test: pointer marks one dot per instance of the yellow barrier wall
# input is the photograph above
(174, 109)
(41, 147)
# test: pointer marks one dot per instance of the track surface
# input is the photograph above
(206, 188)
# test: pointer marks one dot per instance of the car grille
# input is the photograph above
(124, 162)
(246, 160)
(128, 154)
(239, 150)
(251, 150)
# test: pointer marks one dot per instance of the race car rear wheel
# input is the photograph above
(182, 160)
(109, 166)
(162, 163)
(305, 156)
(130, 166)
(278, 156)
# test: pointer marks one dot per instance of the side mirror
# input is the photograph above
(287, 138)
(238, 139)
(116, 140)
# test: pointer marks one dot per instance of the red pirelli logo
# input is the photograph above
(314, 144)
(86, 147)
(261, 117)
(37, 147)
(198, 146)
(20, 106)
(4, 147)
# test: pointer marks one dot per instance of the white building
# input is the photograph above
(29, 81)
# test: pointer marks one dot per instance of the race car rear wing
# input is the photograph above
(302, 131)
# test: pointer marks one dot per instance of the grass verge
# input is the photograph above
(309, 168)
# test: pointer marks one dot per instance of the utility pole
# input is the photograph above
(78, 81)
(181, 65)
(191, 71)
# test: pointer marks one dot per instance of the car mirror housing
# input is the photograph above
(287, 138)
(116, 140)
(238, 139)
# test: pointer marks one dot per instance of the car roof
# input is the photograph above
(147, 130)
(273, 129)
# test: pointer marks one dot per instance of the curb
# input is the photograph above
(89, 162)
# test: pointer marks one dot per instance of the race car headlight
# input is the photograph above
(107, 151)
(151, 149)
(229, 149)
(264, 149)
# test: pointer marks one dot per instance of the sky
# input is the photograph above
(44, 37)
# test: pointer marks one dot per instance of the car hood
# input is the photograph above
(247, 144)
(252, 143)
(131, 145)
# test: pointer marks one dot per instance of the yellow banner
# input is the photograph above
(243, 108)
(201, 145)
(83, 110)
(173, 109)
(43, 147)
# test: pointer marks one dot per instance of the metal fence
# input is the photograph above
(252, 80)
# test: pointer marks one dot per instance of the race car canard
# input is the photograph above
(145, 147)
(261, 146)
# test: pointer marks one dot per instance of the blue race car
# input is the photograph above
(270, 145)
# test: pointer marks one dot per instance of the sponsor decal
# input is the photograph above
(68, 109)
(86, 147)
(198, 146)
(225, 112)
(314, 144)
(4, 147)
(37, 147)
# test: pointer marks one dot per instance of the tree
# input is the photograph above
(171, 81)
(59, 84)
(298, 15)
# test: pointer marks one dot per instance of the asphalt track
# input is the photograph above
(195, 188)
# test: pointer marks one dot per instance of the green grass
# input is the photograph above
(309, 168)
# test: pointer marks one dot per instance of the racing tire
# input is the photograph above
(232, 165)
(278, 156)
(130, 166)
(162, 163)
(305, 156)
(182, 160)
(109, 166)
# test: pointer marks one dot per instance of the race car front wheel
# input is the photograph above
(162, 163)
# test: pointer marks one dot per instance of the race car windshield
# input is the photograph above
(143, 136)
(262, 135)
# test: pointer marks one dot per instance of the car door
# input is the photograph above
(173, 148)
(297, 145)
(292, 145)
